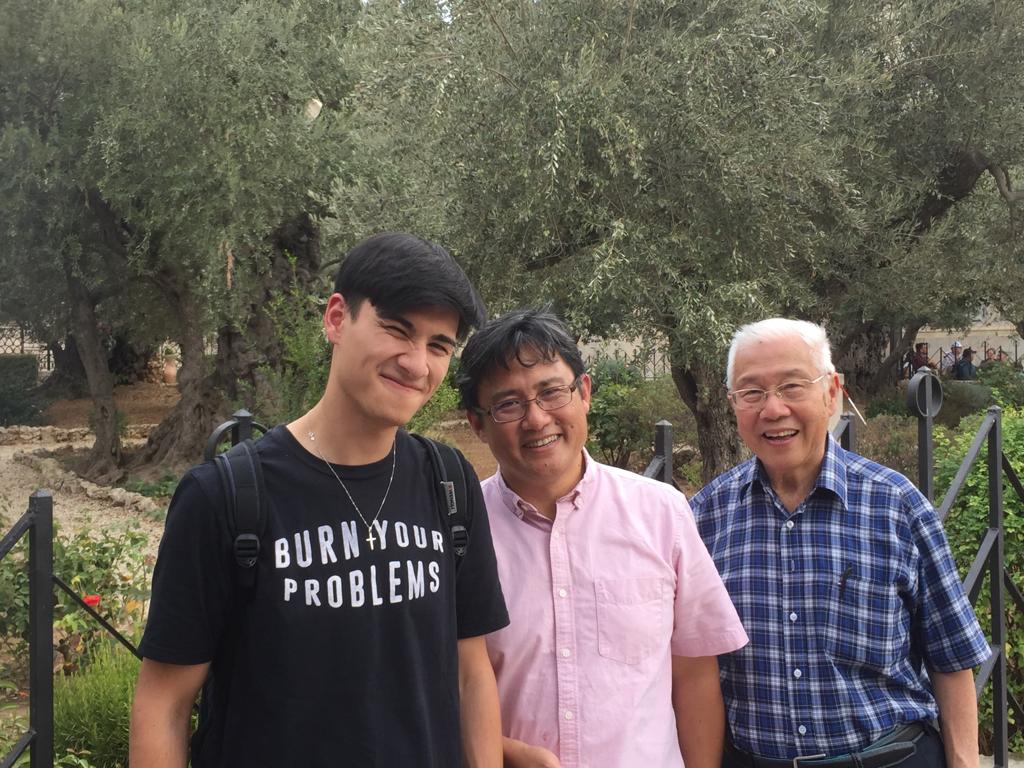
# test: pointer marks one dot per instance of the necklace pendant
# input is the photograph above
(370, 540)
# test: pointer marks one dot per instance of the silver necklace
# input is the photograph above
(369, 524)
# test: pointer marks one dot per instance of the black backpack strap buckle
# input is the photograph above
(247, 549)
(460, 539)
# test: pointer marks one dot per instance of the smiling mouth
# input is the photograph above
(782, 434)
(402, 384)
(542, 442)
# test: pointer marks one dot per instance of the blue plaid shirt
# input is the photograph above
(843, 600)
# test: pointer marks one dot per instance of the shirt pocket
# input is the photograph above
(631, 617)
(863, 630)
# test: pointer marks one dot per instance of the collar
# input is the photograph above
(521, 508)
(831, 476)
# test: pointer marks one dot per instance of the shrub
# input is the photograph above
(622, 418)
(444, 401)
(92, 707)
(162, 488)
(109, 564)
(889, 403)
(966, 524)
(960, 399)
(891, 441)
(286, 393)
(18, 375)
(1006, 383)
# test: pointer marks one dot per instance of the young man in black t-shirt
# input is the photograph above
(361, 643)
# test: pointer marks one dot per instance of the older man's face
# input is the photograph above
(788, 437)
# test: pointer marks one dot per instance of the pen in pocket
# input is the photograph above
(847, 573)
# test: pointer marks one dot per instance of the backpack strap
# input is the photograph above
(245, 504)
(453, 494)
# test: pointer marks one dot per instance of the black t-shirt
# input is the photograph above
(341, 655)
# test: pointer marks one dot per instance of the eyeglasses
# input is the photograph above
(550, 399)
(794, 391)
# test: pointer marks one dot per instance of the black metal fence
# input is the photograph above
(37, 524)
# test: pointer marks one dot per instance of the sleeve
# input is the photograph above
(946, 625)
(192, 579)
(479, 602)
(705, 620)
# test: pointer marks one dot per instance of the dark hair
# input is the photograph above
(917, 347)
(398, 272)
(503, 339)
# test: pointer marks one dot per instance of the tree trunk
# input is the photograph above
(861, 357)
(701, 388)
(68, 376)
(242, 350)
(178, 440)
(104, 460)
(885, 370)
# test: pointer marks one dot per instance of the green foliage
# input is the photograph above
(444, 401)
(962, 398)
(891, 441)
(92, 707)
(1006, 383)
(967, 523)
(109, 563)
(162, 488)
(889, 403)
(613, 370)
(673, 169)
(622, 418)
(18, 374)
(297, 383)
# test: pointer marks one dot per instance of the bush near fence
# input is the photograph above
(966, 525)
(18, 376)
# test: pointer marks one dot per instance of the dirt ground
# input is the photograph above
(140, 404)
(80, 507)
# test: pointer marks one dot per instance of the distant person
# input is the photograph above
(966, 369)
(1004, 356)
(990, 358)
(361, 642)
(920, 359)
(618, 613)
(861, 636)
(951, 358)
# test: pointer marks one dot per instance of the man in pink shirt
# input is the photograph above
(617, 611)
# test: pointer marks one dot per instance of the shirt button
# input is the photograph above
(568, 714)
(790, 524)
(797, 674)
(792, 617)
(566, 653)
(554, 534)
(562, 593)
(801, 730)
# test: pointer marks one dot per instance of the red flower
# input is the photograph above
(91, 600)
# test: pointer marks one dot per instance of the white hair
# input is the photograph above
(775, 328)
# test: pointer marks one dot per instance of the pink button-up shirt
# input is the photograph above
(600, 599)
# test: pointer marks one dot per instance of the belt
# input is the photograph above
(892, 749)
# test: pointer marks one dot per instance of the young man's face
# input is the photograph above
(543, 451)
(789, 438)
(387, 367)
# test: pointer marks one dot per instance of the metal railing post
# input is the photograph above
(924, 400)
(997, 600)
(846, 430)
(40, 628)
(663, 448)
(243, 429)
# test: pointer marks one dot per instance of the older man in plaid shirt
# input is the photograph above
(862, 641)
